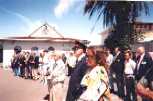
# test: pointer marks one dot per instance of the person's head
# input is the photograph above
(71, 54)
(127, 55)
(90, 51)
(107, 51)
(45, 51)
(41, 54)
(23, 52)
(27, 53)
(57, 55)
(101, 57)
(80, 49)
(78, 52)
(91, 61)
(140, 51)
(98, 59)
(116, 50)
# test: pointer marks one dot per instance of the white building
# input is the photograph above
(43, 37)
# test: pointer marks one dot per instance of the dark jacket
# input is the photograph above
(16, 61)
(145, 64)
(36, 61)
(75, 79)
(117, 66)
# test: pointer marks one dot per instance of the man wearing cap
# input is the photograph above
(78, 73)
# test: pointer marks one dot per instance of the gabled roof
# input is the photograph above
(46, 31)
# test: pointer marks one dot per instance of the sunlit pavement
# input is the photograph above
(18, 89)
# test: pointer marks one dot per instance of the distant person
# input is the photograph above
(16, 63)
(129, 67)
(143, 63)
(116, 71)
(22, 63)
(64, 58)
(56, 77)
(28, 72)
(31, 64)
(78, 73)
(109, 59)
(36, 65)
(71, 62)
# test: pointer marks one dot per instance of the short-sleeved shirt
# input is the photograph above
(147, 82)
(129, 67)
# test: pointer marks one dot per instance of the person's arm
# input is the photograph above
(108, 95)
(144, 91)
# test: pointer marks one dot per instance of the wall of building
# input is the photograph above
(8, 48)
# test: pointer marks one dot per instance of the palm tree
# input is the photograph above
(119, 14)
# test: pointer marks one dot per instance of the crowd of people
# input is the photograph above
(94, 73)
(25, 64)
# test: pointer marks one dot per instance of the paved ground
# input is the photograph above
(19, 89)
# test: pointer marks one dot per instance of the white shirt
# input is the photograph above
(71, 61)
(46, 59)
(141, 58)
(109, 59)
(129, 67)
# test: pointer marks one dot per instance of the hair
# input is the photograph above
(129, 52)
(92, 49)
(101, 57)
(141, 48)
(119, 49)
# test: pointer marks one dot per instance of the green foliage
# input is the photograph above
(121, 15)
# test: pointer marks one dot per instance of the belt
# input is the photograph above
(129, 75)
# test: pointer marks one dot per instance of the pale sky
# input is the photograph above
(21, 17)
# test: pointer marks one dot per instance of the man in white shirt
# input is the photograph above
(129, 67)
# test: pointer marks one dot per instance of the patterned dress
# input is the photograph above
(96, 81)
